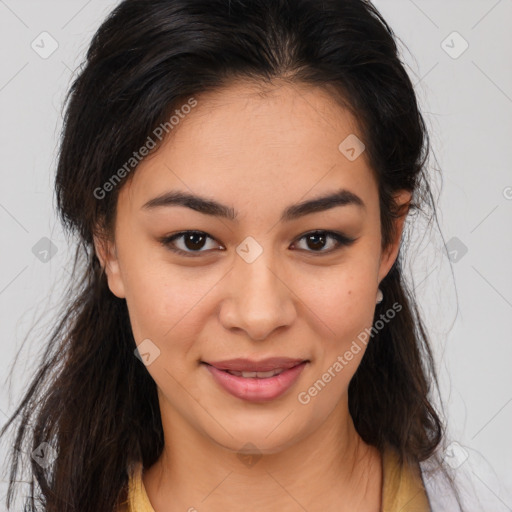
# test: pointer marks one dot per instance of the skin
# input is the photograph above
(257, 153)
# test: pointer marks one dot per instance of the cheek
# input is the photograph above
(344, 306)
(163, 301)
(344, 300)
(164, 311)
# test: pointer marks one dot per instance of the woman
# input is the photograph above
(241, 337)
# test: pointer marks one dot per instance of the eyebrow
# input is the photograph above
(207, 206)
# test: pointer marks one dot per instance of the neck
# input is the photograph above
(330, 469)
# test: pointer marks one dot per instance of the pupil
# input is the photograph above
(317, 236)
(191, 240)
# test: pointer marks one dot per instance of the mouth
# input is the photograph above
(256, 381)
(257, 375)
(241, 366)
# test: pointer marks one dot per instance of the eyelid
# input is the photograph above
(341, 239)
(168, 240)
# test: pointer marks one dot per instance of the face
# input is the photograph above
(258, 277)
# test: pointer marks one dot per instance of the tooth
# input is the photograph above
(271, 373)
(259, 375)
(264, 375)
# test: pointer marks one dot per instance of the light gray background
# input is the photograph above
(467, 102)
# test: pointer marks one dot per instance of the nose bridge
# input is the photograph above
(259, 300)
(255, 277)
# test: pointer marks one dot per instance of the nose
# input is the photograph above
(259, 299)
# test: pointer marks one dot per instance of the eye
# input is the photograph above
(318, 240)
(192, 242)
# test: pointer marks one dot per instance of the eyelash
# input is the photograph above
(342, 240)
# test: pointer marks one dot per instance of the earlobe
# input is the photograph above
(107, 255)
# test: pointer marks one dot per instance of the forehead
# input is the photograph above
(247, 144)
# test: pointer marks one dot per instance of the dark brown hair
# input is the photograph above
(91, 399)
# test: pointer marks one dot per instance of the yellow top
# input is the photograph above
(402, 489)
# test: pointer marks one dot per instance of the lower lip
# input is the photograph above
(254, 389)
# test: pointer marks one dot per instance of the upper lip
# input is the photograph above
(265, 365)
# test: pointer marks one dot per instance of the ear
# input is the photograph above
(107, 254)
(402, 200)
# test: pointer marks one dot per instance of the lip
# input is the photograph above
(248, 365)
(255, 389)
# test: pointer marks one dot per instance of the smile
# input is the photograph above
(256, 386)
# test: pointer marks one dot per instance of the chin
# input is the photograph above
(257, 441)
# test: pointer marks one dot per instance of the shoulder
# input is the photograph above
(136, 499)
(126, 499)
(402, 486)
